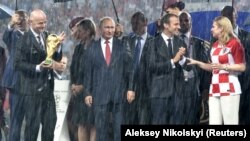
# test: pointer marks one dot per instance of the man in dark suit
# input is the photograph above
(196, 80)
(17, 26)
(137, 112)
(35, 80)
(166, 61)
(244, 36)
(107, 62)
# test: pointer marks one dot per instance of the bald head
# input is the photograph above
(38, 20)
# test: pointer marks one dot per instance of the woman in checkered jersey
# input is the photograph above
(228, 60)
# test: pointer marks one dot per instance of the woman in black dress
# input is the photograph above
(81, 114)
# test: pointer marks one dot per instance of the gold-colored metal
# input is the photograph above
(52, 43)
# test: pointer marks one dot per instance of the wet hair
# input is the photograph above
(136, 18)
(228, 11)
(88, 25)
(166, 19)
(74, 21)
(104, 19)
(22, 16)
(227, 32)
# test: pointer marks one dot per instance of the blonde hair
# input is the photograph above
(227, 29)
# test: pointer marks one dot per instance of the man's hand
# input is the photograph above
(46, 66)
(62, 37)
(118, 30)
(15, 21)
(88, 100)
(76, 89)
(130, 96)
(179, 54)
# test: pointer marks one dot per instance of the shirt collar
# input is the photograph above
(103, 40)
(165, 37)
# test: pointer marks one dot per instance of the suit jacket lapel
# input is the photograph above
(162, 47)
(100, 53)
(175, 46)
(114, 52)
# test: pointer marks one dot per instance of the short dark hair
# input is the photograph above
(227, 11)
(166, 19)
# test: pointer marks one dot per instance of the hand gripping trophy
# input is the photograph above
(52, 43)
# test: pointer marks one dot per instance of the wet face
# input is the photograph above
(173, 27)
(24, 26)
(74, 33)
(38, 22)
(216, 30)
(82, 33)
(63, 64)
(185, 23)
(139, 27)
(107, 29)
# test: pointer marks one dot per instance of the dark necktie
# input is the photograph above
(39, 42)
(137, 51)
(170, 47)
(183, 37)
(107, 52)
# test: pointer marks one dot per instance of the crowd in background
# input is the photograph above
(60, 14)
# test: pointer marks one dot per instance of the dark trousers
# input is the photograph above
(130, 113)
(161, 110)
(16, 115)
(103, 115)
(39, 109)
(137, 112)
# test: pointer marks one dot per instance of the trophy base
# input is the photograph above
(48, 62)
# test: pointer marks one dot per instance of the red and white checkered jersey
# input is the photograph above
(224, 82)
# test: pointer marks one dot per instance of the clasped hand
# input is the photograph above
(179, 54)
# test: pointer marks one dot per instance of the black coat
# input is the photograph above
(162, 80)
(28, 55)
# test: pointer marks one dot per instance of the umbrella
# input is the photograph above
(61, 1)
(5, 12)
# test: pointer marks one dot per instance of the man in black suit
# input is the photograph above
(16, 28)
(196, 80)
(165, 62)
(244, 36)
(137, 112)
(35, 80)
(107, 62)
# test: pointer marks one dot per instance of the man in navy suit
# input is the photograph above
(17, 26)
(35, 80)
(164, 67)
(106, 64)
(137, 112)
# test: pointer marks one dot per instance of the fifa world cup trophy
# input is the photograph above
(52, 43)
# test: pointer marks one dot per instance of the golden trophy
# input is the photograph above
(52, 43)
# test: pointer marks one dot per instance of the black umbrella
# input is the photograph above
(61, 1)
(5, 12)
